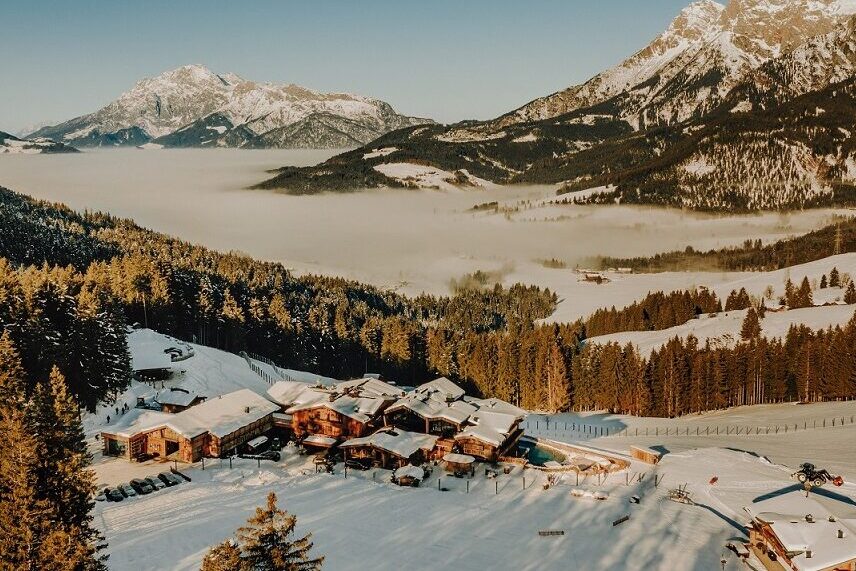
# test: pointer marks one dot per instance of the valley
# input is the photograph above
(405, 240)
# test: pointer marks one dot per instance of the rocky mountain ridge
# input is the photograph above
(181, 107)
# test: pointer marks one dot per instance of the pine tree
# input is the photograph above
(23, 516)
(12, 378)
(223, 557)
(73, 482)
(751, 328)
(834, 278)
(850, 294)
(265, 544)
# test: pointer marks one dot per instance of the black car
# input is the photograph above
(113, 495)
(357, 464)
(169, 479)
(155, 483)
(141, 486)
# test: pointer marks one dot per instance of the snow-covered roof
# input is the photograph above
(399, 442)
(319, 440)
(137, 420)
(360, 399)
(456, 458)
(176, 396)
(485, 434)
(786, 516)
(219, 416)
(410, 471)
(287, 393)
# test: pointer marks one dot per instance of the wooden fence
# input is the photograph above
(542, 426)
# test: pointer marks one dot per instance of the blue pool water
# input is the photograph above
(538, 454)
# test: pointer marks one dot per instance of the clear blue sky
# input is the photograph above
(445, 59)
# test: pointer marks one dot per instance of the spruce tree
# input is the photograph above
(266, 543)
(751, 328)
(834, 278)
(850, 294)
(225, 556)
(823, 282)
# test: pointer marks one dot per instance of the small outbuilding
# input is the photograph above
(459, 463)
(644, 454)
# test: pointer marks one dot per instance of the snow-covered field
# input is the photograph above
(364, 522)
(723, 329)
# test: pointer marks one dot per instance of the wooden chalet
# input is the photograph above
(391, 448)
(792, 532)
(210, 429)
(483, 428)
(351, 409)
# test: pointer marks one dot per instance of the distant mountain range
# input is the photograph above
(748, 105)
(10, 144)
(194, 107)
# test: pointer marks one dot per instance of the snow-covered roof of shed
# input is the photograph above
(399, 442)
(409, 471)
(442, 387)
(176, 396)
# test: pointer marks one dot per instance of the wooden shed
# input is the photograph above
(645, 454)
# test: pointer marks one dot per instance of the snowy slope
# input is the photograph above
(364, 522)
(12, 145)
(161, 105)
(723, 329)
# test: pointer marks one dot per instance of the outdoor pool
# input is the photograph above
(538, 454)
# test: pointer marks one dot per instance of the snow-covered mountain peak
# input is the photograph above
(176, 99)
(698, 59)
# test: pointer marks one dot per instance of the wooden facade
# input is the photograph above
(166, 443)
(645, 454)
(325, 421)
(383, 458)
(406, 419)
(478, 449)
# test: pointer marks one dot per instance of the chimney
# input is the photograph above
(809, 518)
(247, 409)
(840, 534)
(808, 554)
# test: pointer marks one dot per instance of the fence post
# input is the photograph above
(497, 488)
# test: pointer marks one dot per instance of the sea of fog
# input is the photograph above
(410, 240)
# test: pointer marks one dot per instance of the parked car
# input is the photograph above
(155, 483)
(101, 496)
(354, 464)
(266, 455)
(113, 494)
(144, 457)
(127, 490)
(169, 478)
(141, 486)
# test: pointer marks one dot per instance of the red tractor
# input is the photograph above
(809, 475)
